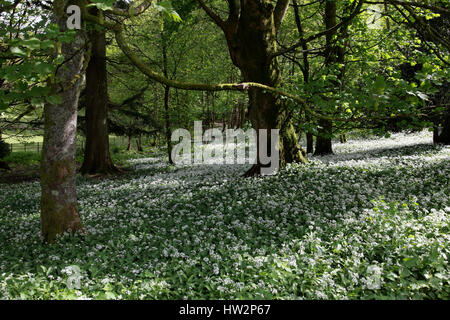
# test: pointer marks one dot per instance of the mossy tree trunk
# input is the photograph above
(251, 34)
(97, 158)
(59, 211)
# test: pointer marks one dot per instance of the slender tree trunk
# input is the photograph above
(3, 164)
(97, 158)
(305, 71)
(443, 137)
(155, 101)
(139, 143)
(442, 99)
(241, 115)
(167, 120)
(130, 141)
(59, 211)
(166, 102)
(323, 140)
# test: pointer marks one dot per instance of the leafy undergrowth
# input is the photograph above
(370, 222)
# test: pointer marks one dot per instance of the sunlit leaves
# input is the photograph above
(29, 61)
(103, 5)
(166, 8)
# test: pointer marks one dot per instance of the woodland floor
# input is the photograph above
(371, 221)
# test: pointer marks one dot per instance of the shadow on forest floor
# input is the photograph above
(174, 225)
(399, 151)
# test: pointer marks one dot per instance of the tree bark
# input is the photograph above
(59, 211)
(305, 71)
(443, 137)
(167, 122)
(130, 142)
(139, 143)
(166, 102)
(251, 42)
(309, 142)
(97, 158)
(323, 140)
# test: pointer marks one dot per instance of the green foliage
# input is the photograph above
(103, 5)
(166, 7)
(28, 61)
(23, 158)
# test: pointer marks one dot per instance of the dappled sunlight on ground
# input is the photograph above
(370, 221)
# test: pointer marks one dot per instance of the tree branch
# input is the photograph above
(280, 12)
(134, 11)
(213, 16)
(323, 33)
(433, 8)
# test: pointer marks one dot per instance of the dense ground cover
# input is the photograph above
(371, 221)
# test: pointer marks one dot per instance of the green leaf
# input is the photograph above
(39, 91)
(175, 16)
(47, 44)
(166, 7)
(54, 99)
(3, 106)
(110, 295)
(422, 96)
(163, 6)
(43, 68)
(32, 43)
(18, 52)
(103, 5)
(37, 102)
(379, 85)
(410, 261)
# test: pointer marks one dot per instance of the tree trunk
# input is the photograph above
(323, 141)
(4, 166)
(166, 101)
(306, 73)
(59, 211)
(251, 42)
(167, 120)
(309, 142)
(130, 142)
(97, 158)
(139, 143)
(443, 137)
